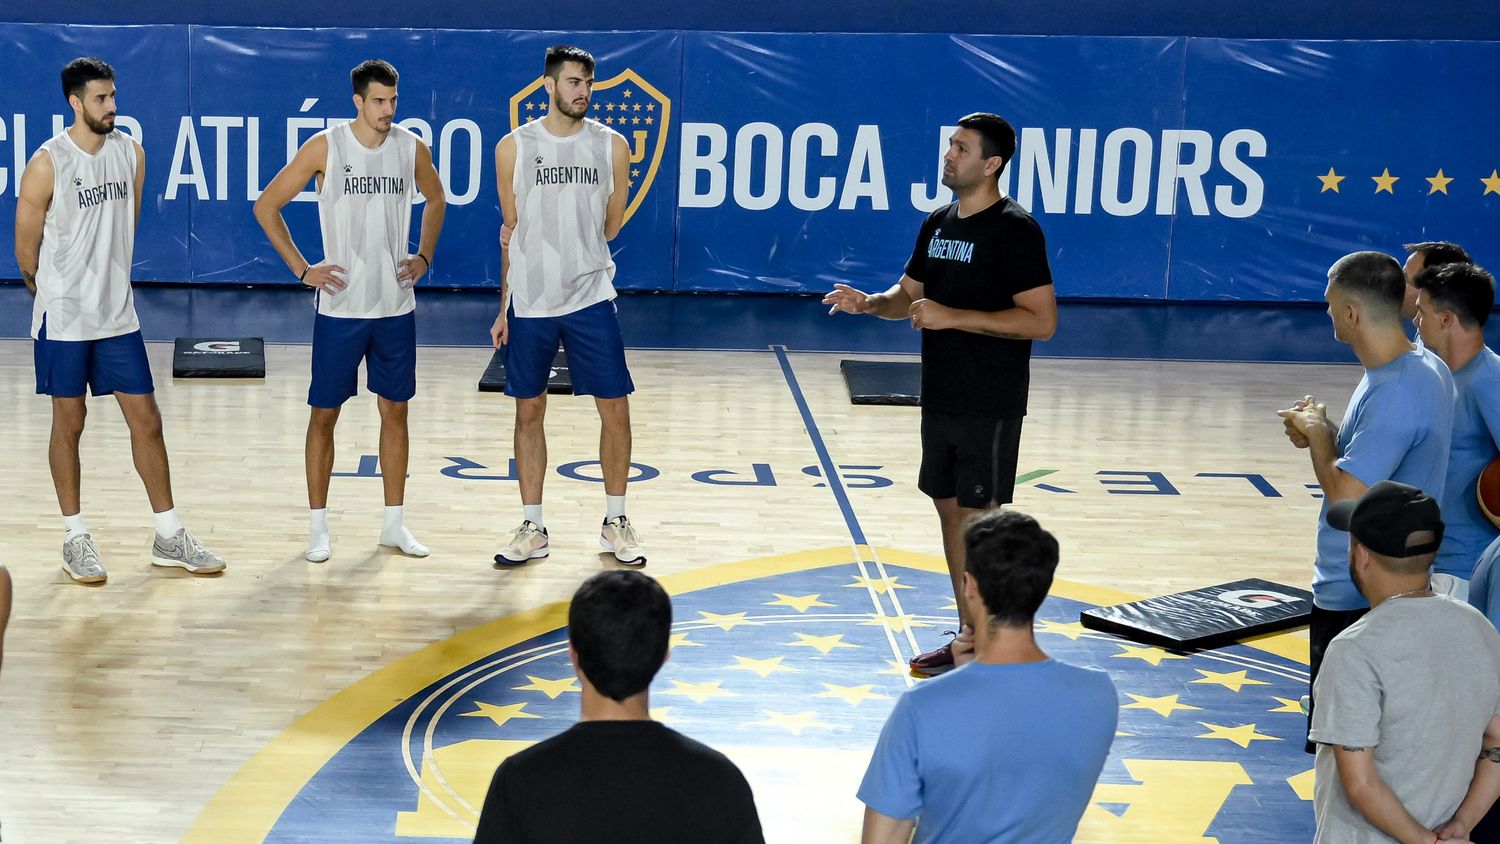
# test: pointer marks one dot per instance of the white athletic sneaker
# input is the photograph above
(81, 560)
(184, 551)
(618, 537)
(527, 542)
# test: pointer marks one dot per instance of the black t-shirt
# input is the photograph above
(977, 263)
(619, 781)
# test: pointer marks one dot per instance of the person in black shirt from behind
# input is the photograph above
(617, 775)
(979, 289)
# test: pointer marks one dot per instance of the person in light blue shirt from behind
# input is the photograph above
(1453, 303)
(1008, 746)
(1398, 427)
(1484, 592)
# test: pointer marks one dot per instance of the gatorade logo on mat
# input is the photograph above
(223, 347)
(1257, 599)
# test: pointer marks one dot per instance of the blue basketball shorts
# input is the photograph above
(387, 345)
(112, 365)
(591, 337)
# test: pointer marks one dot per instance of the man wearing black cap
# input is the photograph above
(1407, 692)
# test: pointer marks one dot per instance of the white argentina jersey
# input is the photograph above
(559, 259)
(88, 242)
(364, 209)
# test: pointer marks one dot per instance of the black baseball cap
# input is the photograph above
(1386, 517)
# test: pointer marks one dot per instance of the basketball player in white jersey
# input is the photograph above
(368, 171)
(563, 182)
(75, 238)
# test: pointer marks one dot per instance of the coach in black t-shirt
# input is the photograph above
(979, 289)
(617, 775)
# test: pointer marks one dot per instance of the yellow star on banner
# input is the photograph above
(1241, 735)
(1151, 655)
(800, 603)
(725, 622)
(680, 640)
(795, 722)
(1287, 706)
(1385, 181)
(699, 692)
(1302, 784)
(1492, 184)
(763, 667)
(879, 585)
(499, 714)
(609, 106)
(1072, 629)
(897, 623)
(550, 688)
(1232, 680)
(897, 668)
(1163, 706)
(1439, 182)
(1331, 181)
(852, 695)
(628, 92)
(824, 644)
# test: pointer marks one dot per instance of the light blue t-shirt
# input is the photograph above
(1398, 427)
(995, 753)
(1476, 429)
(1484, 592)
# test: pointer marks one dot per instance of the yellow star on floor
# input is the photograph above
(897, 623)
(1163, 706)
(1302, 784)
(824, 644)
(800, 603)
(1241, 735)
(1385, 181)
(763, 667)
(951, 605)
(664, 715)
(550, 688)
(880, 585)
(1072, 629)
(1232, 680)
(897, 668)
(1287, 705)
(1151, 655)
(499, 714)
(1492, 184)
(852, 695)
(1439, 182)
(1331, 181)
(699, 692)
(680, 640)
(796, 722)
(725, 622)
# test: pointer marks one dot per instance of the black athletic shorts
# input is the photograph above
(971, 458)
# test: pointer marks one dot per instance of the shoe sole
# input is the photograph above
(930, 672)
(96, 578)
(179, 564)
(535, 555)
(636, 562)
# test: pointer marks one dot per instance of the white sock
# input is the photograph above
(75, 525)
(533, 514)
(396, 535)
(614, 505)
(167, 523)
(319, 542)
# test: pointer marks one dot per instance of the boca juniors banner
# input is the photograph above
(1159, 168)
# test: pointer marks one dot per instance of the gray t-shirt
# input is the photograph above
(1418, 680)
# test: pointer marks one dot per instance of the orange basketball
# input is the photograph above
(1488, 490)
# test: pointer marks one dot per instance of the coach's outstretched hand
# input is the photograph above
(847, 299)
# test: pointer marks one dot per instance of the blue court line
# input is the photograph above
(830, 472)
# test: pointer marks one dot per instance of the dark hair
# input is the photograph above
(1011, 559)
(78, 73)
(1436, 253)
(1375, 279)
(997, 136)
(562, 53)
(1468, 290)
(619, 624)
(373, 70)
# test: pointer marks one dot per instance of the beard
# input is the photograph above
(102, 126)
(568, 110)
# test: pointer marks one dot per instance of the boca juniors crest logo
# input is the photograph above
(626, 103)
